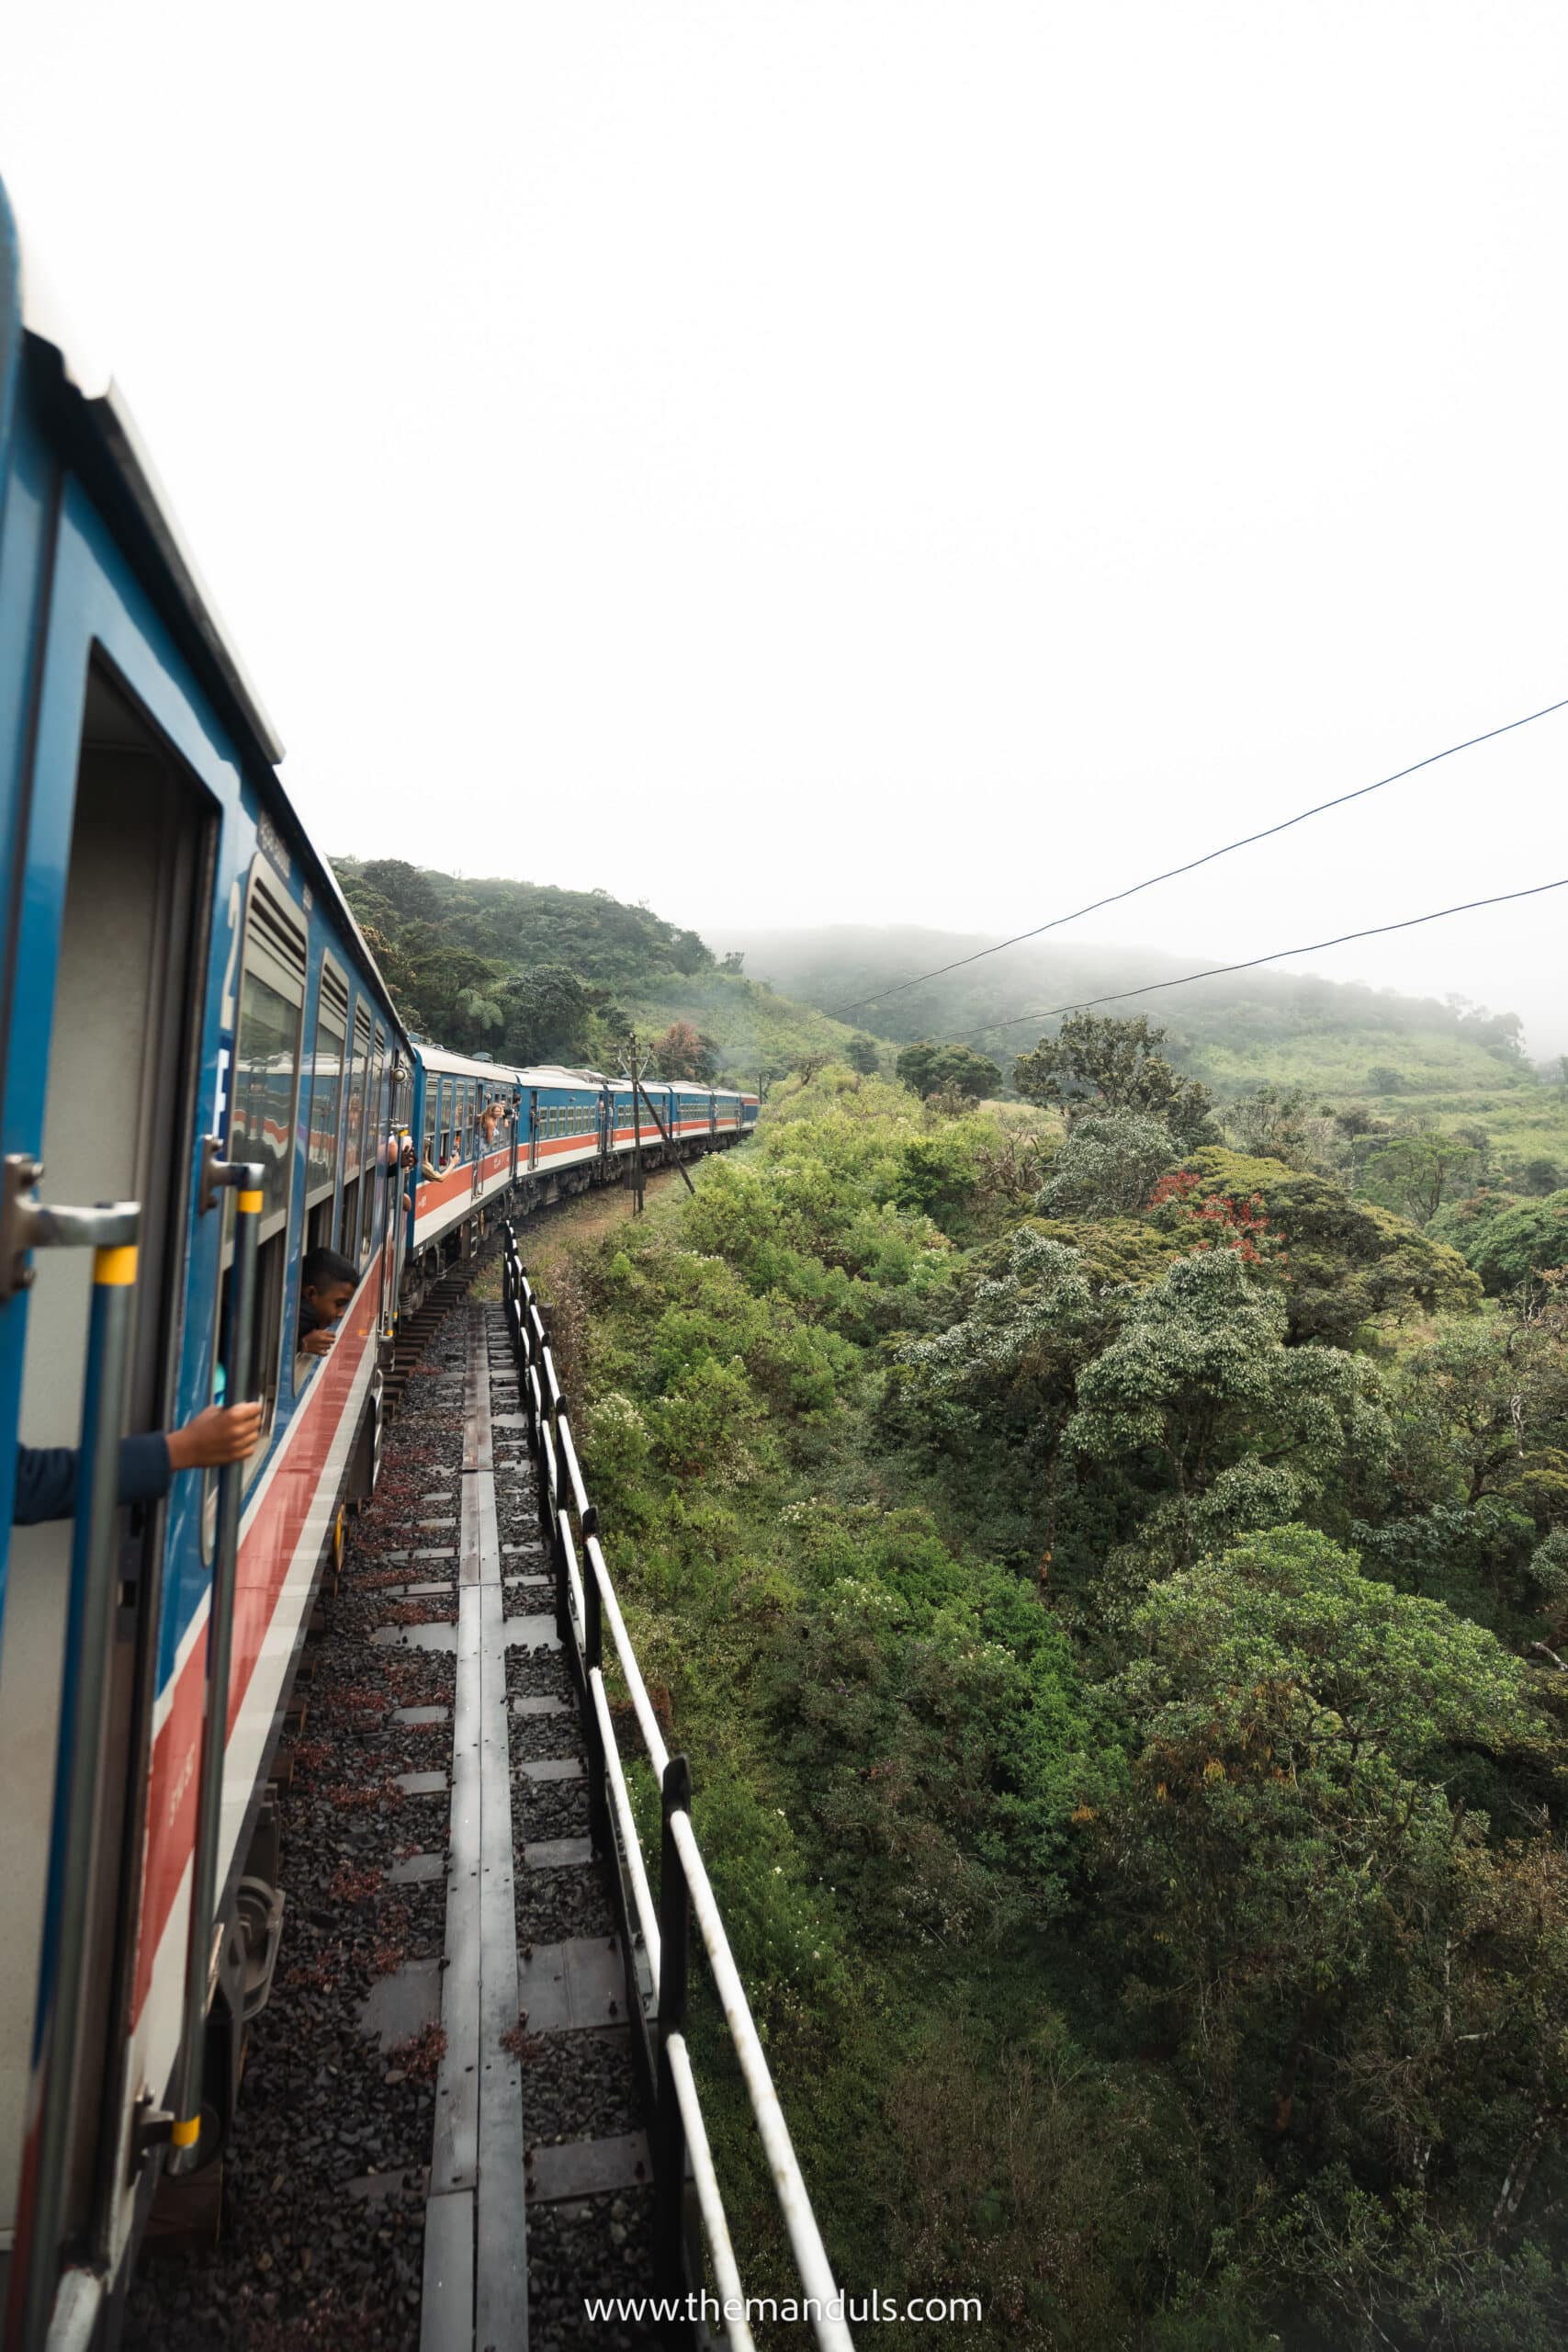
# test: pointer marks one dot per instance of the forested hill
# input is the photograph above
(532, 973)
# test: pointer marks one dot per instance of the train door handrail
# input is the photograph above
(112, 1231)
(586, 1603)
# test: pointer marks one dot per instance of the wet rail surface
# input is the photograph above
(440, 2143)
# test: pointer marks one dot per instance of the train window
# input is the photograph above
(445, 1128)
(375, 1130)
(326, 1105)
(432, 1097)
(354, 1130)
(266, 1078)
(354, 1137)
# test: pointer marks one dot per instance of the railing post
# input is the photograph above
(669, 2131)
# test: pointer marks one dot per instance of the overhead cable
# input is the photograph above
(1277, 955)
(1340, 799)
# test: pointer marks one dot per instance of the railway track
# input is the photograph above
(442, 2141)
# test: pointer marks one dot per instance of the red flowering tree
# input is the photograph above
(1215, 1220)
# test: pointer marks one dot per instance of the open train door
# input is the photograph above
(103, 1040)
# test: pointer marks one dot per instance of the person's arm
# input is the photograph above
(46, 1484)
(46, 1477)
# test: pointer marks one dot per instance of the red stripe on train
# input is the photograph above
(264, 1555)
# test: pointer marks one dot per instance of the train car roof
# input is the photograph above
(87, 408)
(450, 1065)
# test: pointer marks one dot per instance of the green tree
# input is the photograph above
(1525, 1241)
(930, 1067)
(1344, 1262)
(1274, 1122)
(1200, 1397)
(1416, 1174)
(406, 887)
(1483, 1410)
(548, 1012)
(864, 1055)
(1108, 1165)
(1006, 1373)
(1097, 1062)
(1362, 1994)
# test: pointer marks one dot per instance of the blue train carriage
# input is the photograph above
(190, 1023)
(466, 1132)
(495, 1137)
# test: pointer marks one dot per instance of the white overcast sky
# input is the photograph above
(840, 462)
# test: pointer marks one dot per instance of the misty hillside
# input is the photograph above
(1231, 1032)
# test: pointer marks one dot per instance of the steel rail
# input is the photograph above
(710, 2203)
(647, 1722)
(573, 1474)
(574, 1581)
(789, 2185)
(647, 1916)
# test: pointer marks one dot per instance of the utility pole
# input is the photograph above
(633, 1065)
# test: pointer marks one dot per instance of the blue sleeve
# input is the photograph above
(46, 1484)
(46, 1477)
(144, 1469)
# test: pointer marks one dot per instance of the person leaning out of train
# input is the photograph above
(46, 1476)
(326, 1284)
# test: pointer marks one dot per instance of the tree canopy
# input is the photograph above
(934, 1068)
(1096, 1061)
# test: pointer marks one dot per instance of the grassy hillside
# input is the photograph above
(528, 972)
(754, 1028)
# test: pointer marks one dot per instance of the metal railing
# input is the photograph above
(658, 1938)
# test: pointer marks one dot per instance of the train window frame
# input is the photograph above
(375, 1127)
(356, 1101)
(432, 1106)
(332, 999)
(264, 899)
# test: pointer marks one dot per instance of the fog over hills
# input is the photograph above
(1233, 1028)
